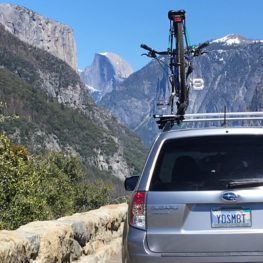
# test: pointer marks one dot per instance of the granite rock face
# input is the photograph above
(105, 74)
(101, 143)
(40, 32)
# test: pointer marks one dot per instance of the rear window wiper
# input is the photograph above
(243, 183)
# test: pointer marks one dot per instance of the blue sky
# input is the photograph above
(120, 26)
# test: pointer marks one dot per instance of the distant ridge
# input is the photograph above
(235, 39)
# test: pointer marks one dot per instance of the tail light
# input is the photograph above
(137, 216)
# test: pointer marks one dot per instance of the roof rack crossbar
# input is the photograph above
(222, 119)
(206, 117)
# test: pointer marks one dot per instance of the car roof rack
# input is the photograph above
(166, 122)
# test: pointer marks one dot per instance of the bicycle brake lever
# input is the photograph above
(203, 45)
(151, 55)
(199, 52)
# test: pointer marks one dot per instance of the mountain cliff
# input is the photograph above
(105, 74)
(56, 112)
(40, 32)
(232, 71)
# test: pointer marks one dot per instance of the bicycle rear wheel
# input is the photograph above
(181, 68)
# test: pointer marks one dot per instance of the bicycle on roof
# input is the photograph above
(180, 55)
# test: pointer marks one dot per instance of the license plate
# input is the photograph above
(231, 218)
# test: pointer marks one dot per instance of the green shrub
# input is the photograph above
(21, 200)
(92, 195)
(43, 187)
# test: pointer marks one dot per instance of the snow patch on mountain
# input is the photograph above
(91, 89)
(234, 39)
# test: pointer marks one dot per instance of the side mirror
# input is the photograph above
(130, 183)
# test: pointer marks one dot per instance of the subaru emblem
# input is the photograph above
(229, 196)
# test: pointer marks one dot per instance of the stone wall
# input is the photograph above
(93, 235)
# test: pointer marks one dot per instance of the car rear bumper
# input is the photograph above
(135, 250)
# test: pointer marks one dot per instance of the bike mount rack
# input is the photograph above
(166, 122)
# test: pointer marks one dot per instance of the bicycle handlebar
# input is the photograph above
(147, 48)
(152, 53)
(194, 50)
(198, 50)
(203, 45)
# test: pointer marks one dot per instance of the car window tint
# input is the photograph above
(207, 162)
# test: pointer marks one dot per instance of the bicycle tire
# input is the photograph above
(181, 64)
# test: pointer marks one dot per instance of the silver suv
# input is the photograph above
(199, 199)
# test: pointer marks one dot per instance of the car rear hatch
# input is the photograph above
(206, 196)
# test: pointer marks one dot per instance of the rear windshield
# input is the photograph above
(208, 162)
